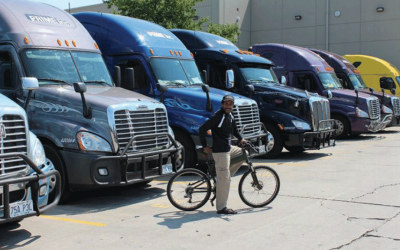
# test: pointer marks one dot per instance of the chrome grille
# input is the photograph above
(396, 105)
(13, 139)
(130, 123)
(374, 108)
(320, 111)
(247, 114)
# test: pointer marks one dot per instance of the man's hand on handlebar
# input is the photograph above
(243, 142)
(207, 150)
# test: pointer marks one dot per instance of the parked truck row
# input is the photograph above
(113, 100)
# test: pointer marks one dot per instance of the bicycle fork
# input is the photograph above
(255, 183)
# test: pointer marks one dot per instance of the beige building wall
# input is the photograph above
(353, 27)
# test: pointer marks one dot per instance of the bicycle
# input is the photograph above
(191, 188)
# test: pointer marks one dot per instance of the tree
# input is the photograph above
(172, 14)
(228, 31)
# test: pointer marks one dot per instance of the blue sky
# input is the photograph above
(63, 4)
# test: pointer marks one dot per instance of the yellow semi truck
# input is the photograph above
(376, 73)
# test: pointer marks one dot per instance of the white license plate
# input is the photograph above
(166, 169)
(21, 208)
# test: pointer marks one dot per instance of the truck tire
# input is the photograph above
(188, 145)
(343, 127)
(54, 157)
(295, 149)
(278, 143)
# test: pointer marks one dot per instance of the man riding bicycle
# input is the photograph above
(223, 127)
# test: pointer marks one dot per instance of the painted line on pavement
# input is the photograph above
(74, 221)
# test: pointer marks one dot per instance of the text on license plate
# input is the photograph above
(21, 208)
(167, 168)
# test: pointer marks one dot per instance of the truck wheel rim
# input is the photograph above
(271, 142)
(52, 179)
(340, 127)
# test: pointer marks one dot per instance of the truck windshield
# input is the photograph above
(330, 81)
(174, 72)
(357, 82)
(258, 74)
(398, 80)
(65, 67)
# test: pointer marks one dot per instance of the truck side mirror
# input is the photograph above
(393, 91)
(356, 91)
(206, 89)
(205, 76)
(117, 76)
(162, 87)
(386, 83)
(327, 93)
(230, 79)
(80, 87)
(283, 80)
(30, 84)
(130, 79)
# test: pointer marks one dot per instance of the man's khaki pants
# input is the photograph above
(224, 173)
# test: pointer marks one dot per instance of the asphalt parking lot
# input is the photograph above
(344, 197)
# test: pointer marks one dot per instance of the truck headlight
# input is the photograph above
(37, 152)
(91, 142)
(301, 125)
(386, 110)
(361, 113)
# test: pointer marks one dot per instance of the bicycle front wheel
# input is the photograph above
(189, 189)
(259, 188)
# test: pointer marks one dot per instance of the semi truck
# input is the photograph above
(350, 78)
(95, 134)
(375, 71)
(154, 62)
(355, 112)
(26, 179)
(296, 120)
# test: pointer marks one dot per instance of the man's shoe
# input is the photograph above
(226, 211)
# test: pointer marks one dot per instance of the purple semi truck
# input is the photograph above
(355, 112)
(350, 78)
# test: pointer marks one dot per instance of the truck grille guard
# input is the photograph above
(261, 139)
(125, 157)
(31, 182)
(321, 138)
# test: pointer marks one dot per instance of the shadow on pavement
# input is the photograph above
(175, 220)
(12, 237)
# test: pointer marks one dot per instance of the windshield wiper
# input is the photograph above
(99, 81)
(54, 80)
(176, 83)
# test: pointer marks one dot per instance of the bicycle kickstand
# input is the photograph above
(212, 200)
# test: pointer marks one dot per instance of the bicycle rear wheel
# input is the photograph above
(189, 189)
(260, 195)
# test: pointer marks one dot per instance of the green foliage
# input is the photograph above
(170, 14)
(228, 31)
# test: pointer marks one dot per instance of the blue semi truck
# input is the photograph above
(296, 119)
(95, 134)
(151, 61)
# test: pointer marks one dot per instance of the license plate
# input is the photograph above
(21, 208)
(166, 169)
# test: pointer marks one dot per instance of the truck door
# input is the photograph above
(9, 73)
(301, 80)
(141, 83)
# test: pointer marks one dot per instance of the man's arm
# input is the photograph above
(209, 124)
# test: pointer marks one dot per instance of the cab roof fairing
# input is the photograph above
(122, 35)
(210, 43)
(340, 64)
(300, 58)
(43, 25)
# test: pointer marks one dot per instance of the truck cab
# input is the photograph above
(375, 70)
(351, 78)
(95, 134)
(355, 112)
(295, 119)
(26, 179)
(155, 63)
